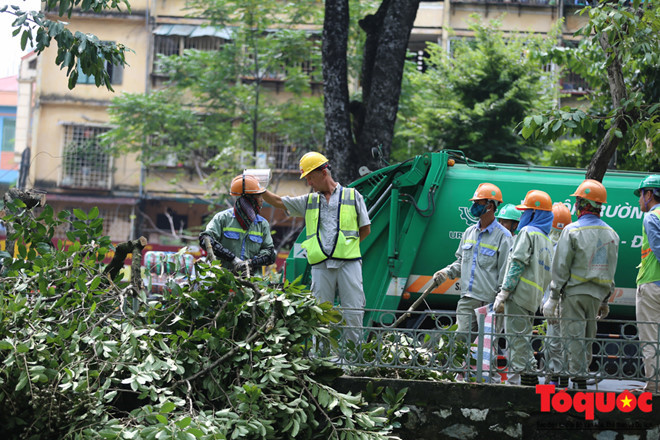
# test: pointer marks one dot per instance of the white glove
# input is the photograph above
(550, 311)
(498, 305)
(603, 311)
(239, 265)
(440, 277)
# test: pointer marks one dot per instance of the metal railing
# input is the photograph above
(428, 344)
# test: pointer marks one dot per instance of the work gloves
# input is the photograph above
(603, 310)
(239, 266)
(551, 310)
(440, 277)
(498, 305)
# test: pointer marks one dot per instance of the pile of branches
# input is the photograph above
(87, 355)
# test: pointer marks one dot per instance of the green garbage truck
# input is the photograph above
(419, 209)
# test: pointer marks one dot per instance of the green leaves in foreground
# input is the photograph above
(215, 358)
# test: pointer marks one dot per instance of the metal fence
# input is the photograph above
(427, 344)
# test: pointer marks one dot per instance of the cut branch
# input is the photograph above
(133, 247)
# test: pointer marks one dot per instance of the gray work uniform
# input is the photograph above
(533, 249)
(481, 260)
(332, 277)
(583, 276)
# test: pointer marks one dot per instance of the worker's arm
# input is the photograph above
(273, 199)
(364, 232)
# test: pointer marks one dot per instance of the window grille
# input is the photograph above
(282, 154)
(85, 164)
(116, 221)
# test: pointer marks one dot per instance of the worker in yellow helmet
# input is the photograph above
(240, 237)
(336, 221)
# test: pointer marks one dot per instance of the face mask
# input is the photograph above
(477, 210)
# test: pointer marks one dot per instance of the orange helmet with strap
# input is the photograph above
(591, 190)
(245, 184)
(487, 191)
(311, 161)
(562, 216)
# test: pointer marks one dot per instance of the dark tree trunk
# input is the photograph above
(339, 145)
(388, 31)
(599, 162)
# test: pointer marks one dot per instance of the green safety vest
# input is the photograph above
(347, 237)
(649, 268)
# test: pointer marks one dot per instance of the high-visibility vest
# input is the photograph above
(649, 268)
(347, 237)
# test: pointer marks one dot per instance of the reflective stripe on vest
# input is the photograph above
(649, 268)
(347, 237)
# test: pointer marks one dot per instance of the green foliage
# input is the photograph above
(221, 106)
(74, 50)
(473, 99)
(219, 357)
(633, 35)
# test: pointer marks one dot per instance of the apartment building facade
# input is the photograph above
(61, 131)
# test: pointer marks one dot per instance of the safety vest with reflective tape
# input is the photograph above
(649, 268)
(347, 237)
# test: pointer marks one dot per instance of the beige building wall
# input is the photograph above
(26, 101)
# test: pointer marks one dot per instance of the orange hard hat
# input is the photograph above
(562, 215)
(487, 191)
(245, 184)
(311, 161)
(536, 199)
(591, 190)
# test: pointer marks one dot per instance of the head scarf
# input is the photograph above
(585, 206)
(246, 210)
(539, 219)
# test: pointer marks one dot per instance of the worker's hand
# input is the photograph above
(239, 266)
(440, 277)
(202, 237)
(498, 305)
(603, 310)
(550, 311)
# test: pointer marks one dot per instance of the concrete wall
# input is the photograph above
(470, 411)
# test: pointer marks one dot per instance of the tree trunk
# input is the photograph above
(388, 32)
(599, 162)
(339, 145)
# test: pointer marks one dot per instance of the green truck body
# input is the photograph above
(420, 208)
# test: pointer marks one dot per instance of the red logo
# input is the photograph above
(589, 403)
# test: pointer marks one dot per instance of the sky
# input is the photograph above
(10, 47)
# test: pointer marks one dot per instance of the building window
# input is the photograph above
(8, 134)
(85, 164)
(116, 221)
(115, 72)
(282, 154)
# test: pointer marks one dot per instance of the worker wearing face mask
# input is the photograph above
(481, 260)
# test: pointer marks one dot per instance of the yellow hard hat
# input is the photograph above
(591, 190)
(245, 184)
(535, 199)
(311, 161)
